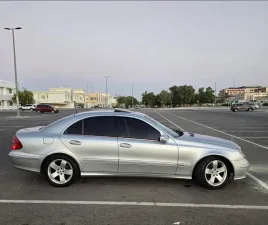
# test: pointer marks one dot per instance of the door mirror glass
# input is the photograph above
(163, 138)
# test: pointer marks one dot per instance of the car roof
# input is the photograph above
(61, 124)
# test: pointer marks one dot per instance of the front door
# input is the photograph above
(93, 140)
(140, 151)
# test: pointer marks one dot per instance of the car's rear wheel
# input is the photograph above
(212, 172)
(250, 109)
(61, 171)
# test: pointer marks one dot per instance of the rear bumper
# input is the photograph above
(241, 168)
(25, 161)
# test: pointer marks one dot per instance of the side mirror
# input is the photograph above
(163, 138)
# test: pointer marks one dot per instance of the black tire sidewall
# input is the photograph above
(200, 172)
(69, 160)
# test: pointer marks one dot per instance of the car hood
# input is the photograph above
(198, 139)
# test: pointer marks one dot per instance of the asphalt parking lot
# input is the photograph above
(100, 200)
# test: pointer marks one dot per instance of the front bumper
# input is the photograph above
(25, 161)
(241, 168)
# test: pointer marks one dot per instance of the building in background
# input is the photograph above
(99, 100)
(62, 97)
(71, 98)
(244, 93)
(7, 90)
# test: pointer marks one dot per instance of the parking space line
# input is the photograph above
(156, 204)
(211, 128)
(249, 174)
(169, 121)
(255, 137)
(247, 131)
(258, 180)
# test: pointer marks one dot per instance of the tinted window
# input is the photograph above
(75, 128)
(100, 126)
(135, 128)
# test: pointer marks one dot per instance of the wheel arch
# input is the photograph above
(213, 155)
(79, 166)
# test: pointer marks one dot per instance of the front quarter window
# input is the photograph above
(173, 133)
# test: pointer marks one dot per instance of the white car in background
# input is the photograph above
(30, 107)
(256, 106)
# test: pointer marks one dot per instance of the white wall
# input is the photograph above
(7, 90)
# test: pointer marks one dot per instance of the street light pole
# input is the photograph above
(132, 96)
(234, 82)
(106, 77)
(15, 67)
(215, 91)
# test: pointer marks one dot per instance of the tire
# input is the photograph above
(250, 109)
(61, 173)
(31, 109)
(37, 111)
(205, 172)
(235, 110)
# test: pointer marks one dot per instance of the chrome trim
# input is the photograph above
(85, 174)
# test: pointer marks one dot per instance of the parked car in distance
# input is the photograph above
(124, 143)
(27, 107)
(41, 108)
(243, 107)
(256, 106)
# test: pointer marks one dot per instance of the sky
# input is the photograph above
(152, 45)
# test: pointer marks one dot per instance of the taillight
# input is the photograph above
(16, 144)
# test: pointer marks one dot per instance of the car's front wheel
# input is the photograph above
(61, 171)
(212, 172)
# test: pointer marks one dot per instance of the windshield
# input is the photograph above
(173, 133)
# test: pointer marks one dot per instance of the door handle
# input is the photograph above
(125, 145)
(75, 142)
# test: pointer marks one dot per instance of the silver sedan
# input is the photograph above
(124, 143)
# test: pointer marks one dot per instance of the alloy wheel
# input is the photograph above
(60, 171)
(216, 173)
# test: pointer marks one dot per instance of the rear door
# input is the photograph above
(93, 140)
(140, 150)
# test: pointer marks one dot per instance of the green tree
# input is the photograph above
(148, 99)
(210, 96)
(25, 97)
(201, 95)
(126, 101)
(165, 98)
(182, 95)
